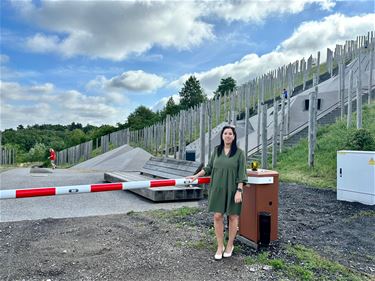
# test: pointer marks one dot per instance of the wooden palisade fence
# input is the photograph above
(169, 137)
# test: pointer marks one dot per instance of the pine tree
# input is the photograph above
(192, 93)
(226, 85)
(171, 108)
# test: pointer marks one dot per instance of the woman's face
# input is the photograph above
(228, 136)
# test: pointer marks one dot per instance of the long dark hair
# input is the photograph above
(233, 148)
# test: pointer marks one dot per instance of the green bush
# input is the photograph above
(38, 152)
(360, 139)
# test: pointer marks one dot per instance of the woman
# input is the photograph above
(227, 168)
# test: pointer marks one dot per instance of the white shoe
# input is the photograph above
(219, 257)
(228, 255)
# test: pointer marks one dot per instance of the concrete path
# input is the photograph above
(65, 206)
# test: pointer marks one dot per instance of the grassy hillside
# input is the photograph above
(292, 164)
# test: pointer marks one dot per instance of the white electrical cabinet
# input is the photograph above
(356, 176)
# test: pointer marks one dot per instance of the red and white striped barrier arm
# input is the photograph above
(74, 189)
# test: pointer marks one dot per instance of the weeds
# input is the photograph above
(301, 263)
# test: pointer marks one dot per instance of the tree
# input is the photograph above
(191, 93)
(141, 117)
(101, 131)
(38, 152)
(171, 108)
(74, 126)
(75, 137)
(226, 85)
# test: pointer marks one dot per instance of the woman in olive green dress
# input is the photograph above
(227, 167)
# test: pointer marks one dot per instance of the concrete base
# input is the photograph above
(156, 194)
(248, 242)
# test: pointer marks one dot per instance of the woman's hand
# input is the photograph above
(192, 178)
(238, 197)
(201, 173)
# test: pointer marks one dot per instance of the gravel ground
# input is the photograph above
(150, 246)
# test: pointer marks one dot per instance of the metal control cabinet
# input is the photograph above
(356, 176)
(261, 195)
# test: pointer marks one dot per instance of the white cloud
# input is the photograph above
(133, 81)
(114, 30)
(258, 11)
(41, 43)
(13, 91)
(40, 104)
(137, 81)
(309, 38)
(316, 35)
(45, 88)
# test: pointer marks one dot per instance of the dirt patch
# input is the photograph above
(171, 246)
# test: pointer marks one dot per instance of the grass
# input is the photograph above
(174, 214)
(302, 263)
(292, 163)
(369, 213)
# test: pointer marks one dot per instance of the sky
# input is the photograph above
(95, 62)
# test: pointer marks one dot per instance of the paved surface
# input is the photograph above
(66, 206)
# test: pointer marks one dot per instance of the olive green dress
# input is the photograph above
(226, 172)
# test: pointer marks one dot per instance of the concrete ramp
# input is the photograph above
(123, 158)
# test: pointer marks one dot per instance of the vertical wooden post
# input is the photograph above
(371, 59)
(290, 90)
(202, 134)
(167, 135)
(259, 111)
(318, 68)
(181, 137)
(247, 108)
(218, 112)
(264, 136)
(312, 122)
(342, 87)
(329, 62)
(225, 106)
(232, 103)
(209, 121)
(282, 123)
(175, 135)
(304, 74)
(275, 130)
(197, 121)
(359, 92)
(350, 90)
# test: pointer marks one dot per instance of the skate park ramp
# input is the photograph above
(123, 158)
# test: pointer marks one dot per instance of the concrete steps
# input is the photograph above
(327, 119)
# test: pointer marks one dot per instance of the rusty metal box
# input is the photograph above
(260, 195)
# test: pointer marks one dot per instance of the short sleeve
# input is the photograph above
(241, 172)
(210, 164)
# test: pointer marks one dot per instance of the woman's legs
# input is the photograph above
(233, 226)
(219, 232)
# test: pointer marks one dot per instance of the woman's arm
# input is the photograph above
(201, 173)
